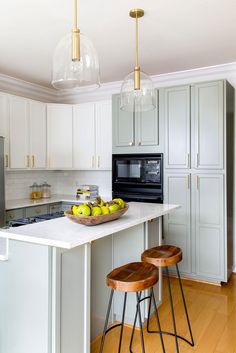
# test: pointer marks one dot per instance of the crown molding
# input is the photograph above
(225, 71)
(22, 88)
(26, 89)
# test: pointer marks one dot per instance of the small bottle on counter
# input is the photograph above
(35, 191)
(46, 190)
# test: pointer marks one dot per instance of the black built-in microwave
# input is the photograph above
(138, 177)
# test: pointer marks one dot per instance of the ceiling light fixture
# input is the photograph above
(137, 91)
(75, 61)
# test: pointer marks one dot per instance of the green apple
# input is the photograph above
(74, 210)
(105, 210)
(120, 202)
(114, 207)
(96, 211)
(84, 210)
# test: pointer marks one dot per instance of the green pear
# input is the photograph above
(84, 210)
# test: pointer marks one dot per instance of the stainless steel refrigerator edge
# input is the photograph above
(2, 184)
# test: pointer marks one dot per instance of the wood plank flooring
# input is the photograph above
(212, 311)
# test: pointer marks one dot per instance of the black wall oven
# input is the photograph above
(138, 177)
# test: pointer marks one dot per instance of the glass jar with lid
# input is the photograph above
(35, 191)
(46, 190)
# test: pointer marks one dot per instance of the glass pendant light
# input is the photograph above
(75, 61)
(137, 91)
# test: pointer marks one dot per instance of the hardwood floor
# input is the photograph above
(212, 311)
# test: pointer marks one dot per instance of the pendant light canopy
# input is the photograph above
(137, 91)
(75, 61)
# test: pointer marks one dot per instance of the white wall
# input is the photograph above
(68, 181)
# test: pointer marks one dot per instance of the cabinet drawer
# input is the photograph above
(54, 208)
(14, 214)
(35, 211)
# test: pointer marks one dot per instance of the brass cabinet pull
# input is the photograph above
(131, 143)
(98, 161)
(197, 160)
(198, 182)
(92, 161)
(7, 161)
(188, 182)
(188, 160)
(28, 161)
(33, 161)
(139, 143)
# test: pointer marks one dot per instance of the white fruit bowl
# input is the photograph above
(95, 220)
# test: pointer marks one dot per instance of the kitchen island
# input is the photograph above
(53, 296)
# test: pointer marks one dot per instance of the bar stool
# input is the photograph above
(165, 256)
(133, 277)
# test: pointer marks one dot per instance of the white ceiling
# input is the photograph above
(174, 35)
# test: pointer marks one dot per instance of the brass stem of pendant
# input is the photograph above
(137, 78)
(76, 44)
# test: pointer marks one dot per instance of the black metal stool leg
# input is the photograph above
(149, 314)
(134, 325)
(185, 306)
(172, 310)
(140, 322)
(122, 323)
(158, 320)
(106, 321)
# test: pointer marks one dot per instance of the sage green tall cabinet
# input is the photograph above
(199, 140)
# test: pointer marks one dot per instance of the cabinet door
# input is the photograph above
(208, 115)
(123, 125)
(177, 127)
(37, 128)
(4, 125)
(147, 126)
(177, 228)
(84, 136)
(210, 236)
(103, 135)
(19, 136)
(59, 128)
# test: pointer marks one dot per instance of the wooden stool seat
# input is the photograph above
(133, 277)
(162, 256)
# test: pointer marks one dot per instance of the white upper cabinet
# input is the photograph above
(84, 136)
(176, 107)
(208, 118)
(37, 135)
(59, 136)
(27, 133)
(19, 133)
(104, 135)
(92, 141)
(4, 125)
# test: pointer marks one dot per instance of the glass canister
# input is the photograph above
(35, 191)
(46, 190)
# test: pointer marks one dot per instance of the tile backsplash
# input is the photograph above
(62, 182)
(17, 183)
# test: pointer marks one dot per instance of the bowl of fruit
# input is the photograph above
(98, 212)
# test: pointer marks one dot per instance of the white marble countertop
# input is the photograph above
(21, 203)
(63, 233)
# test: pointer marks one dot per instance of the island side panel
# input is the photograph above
(75, 300)
(25, 305)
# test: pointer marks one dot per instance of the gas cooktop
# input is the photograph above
(36, 219)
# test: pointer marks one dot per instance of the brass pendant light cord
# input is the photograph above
(75, 14)
(75, 36)
(137, 64)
